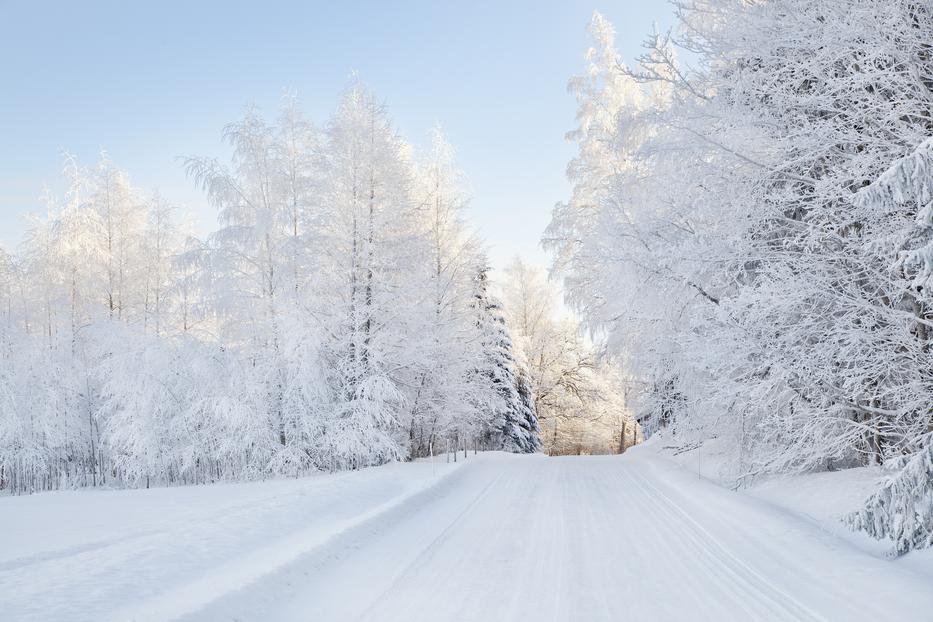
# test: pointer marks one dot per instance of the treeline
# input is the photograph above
(339, 317)
(751, 228)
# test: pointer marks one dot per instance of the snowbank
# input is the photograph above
(157, 554)
(822, 498)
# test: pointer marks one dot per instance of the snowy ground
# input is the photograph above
(499, 537)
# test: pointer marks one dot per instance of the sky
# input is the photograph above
(152, 82)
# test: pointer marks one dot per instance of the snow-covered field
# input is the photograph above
(495, 537)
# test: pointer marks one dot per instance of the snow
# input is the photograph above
(495, 537)
(824, 498)
(159, 553)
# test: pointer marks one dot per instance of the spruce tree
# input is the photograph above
(513, 425)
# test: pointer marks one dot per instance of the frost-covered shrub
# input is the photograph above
(902, 510)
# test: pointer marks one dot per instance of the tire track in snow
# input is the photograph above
(430, 549)
(700, 570)
(733, 572)
(658, 558)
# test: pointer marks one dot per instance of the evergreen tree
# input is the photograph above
(513, 423)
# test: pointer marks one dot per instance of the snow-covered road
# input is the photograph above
(498, 538)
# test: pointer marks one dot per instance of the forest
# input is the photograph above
(341, 316)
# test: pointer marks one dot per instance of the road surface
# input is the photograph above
(583, 538)
(500, 538)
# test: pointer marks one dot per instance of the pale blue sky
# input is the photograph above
(151, 81)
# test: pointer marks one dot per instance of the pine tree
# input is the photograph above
(513, 425)
(902, 509)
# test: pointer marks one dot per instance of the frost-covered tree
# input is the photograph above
(370, 296)
(513, 420)
(449, 399)
(902, 509)
(718, 237)
(256, 272)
